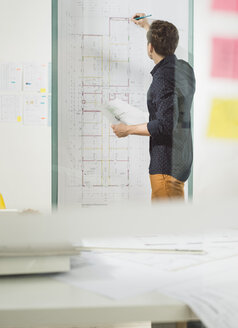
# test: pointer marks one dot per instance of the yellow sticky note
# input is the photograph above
(2, 204)
(224, 119)
(42, 90)
(19, 118)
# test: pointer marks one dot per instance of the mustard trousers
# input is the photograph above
(166, 187)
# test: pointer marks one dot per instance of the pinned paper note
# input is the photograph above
(35, 109)
(225, 58)
(10, 77)
(224, 119)
(10, 107)
(35, 78)
(225, 5)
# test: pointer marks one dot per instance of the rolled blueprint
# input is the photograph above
(118, 111)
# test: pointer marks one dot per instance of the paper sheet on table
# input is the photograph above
(118, 111)
(152, 242)
(211, 291)
(110, 277)
(216, 245)
(178, 242)
(207, 283)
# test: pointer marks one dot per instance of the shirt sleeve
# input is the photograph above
(165, 100)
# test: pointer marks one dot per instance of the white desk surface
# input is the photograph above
(40, 301)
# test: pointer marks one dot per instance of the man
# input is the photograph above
(169, 102)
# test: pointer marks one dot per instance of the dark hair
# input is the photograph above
(164, 37)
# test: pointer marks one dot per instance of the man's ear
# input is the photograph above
(150, 50)
(150, 47)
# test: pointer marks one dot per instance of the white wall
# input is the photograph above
(25, 151)
(215, 161)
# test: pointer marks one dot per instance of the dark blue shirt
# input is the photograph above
(169, 101)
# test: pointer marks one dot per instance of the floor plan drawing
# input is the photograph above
(102, 56)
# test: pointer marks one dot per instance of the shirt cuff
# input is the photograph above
(152, 127)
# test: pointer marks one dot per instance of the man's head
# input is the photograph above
(162, 38)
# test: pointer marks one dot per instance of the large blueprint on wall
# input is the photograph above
(102, 56)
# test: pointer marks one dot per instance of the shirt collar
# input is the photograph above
(166, 60)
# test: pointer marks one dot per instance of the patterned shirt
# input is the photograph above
(169, 102)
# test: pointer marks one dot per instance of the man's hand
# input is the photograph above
(121, 130)
(141, 22)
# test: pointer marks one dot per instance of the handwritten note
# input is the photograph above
(10, 77)
(224, 119)
(225, 5)
(10, 108)
(35, 78)
(225, 58)
(35, 109)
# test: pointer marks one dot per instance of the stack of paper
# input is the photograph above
(205, 277)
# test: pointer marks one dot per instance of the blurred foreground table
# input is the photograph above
(41, 301)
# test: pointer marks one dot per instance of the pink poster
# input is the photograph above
(225, 58)
(225, 5)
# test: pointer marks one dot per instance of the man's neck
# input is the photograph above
(157, 59)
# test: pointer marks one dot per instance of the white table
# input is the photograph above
(40, 301)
